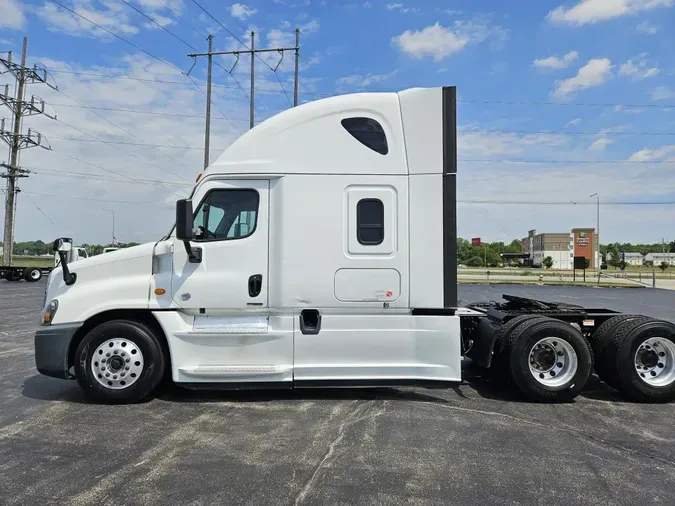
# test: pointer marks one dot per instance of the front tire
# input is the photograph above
(549, 360)
(119, 362)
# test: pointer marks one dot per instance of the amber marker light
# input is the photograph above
(160, 291)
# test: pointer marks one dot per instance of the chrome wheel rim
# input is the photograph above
(117, 364)
(553, 362)
(654, 361)
(35, 274)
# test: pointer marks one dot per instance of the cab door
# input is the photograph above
(231, 228)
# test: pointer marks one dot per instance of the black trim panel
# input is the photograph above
(370, 383)
(449, 197)
(441, 311)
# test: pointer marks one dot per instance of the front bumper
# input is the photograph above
(52, 345)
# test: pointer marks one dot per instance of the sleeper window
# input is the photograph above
(370, 222)
(226, 214)
(368, 132)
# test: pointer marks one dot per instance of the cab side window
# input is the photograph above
(226, 215)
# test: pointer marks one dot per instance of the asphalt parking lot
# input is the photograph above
(477, 443)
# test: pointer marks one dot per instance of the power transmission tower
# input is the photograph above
(14, 138)
(253, 52)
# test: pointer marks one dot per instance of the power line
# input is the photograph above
(525, 102)
(156, 23)
(38, 208)
(79, 139)
(544, 132)
(70, 197)
(104, 142)
(162, 81)
(133, 45)
(129, 133)
(136, 111)
(122, 179)
(570, 162)
(568, 203)
(118, 37)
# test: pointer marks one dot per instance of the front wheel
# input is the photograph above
(33, 275)
(119, 361)
(550, 361)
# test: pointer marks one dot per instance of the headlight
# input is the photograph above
(48, 312)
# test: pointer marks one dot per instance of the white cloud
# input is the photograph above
(649, 155)
(367, 5)
(439, 41)
(662, 93)
(638, 68)
(600, 144)
(594, 73)
(647, 28)
(242, 11)
(403, 9)
(593, 11)
(159, 19)
(361, 81)
(12, 16)
(114, 17)
(574, 122)
(555, 62)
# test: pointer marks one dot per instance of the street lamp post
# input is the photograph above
(113, 223)
(597, 266)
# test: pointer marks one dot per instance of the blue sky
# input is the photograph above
(552, 94)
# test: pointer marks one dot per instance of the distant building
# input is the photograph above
(658, 258)
(561, 247)
(629, 258)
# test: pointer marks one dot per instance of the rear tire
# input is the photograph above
(549, 360)
(601, 339)
(119, 362)
(32, 275)
(640, 360)
(503, 337)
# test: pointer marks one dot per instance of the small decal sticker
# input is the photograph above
(185, 296)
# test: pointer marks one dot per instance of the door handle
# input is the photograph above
(254, 285)
(310, 321)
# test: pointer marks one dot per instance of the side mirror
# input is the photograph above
(184, 220)
(62, 244)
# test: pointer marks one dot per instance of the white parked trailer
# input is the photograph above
(320, 249)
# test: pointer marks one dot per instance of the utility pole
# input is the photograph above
(252, 109)
(207, 136)
(15, 139)
(254, 52)
(297, 67)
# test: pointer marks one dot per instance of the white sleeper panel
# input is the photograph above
(361, 285)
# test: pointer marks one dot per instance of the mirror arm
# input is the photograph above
(69, 278)
(194, 254)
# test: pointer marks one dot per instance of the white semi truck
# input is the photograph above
(320, 249)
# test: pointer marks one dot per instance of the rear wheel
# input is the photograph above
(549, 360)
(641, 360)
(34, 274)
(601, 338)
(119, 361)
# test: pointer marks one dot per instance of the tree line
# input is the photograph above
(485, 255)
(38, 248)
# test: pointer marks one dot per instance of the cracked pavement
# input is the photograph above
(476, 443)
